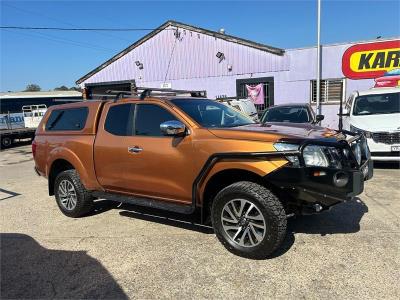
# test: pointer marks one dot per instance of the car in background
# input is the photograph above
(376, 114)
(291, 113)
(389, 79)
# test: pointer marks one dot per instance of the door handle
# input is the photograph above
(135, 149)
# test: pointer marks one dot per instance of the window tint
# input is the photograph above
(148, 119)
(376, 104)
(119, 119)
(291, 114)
(67, 119)
(212, 114)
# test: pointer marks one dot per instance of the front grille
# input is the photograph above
(386, 137)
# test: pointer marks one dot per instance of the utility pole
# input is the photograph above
(319, 58)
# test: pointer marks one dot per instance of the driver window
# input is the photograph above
(148, 119)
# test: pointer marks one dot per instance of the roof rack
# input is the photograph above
(144, 92)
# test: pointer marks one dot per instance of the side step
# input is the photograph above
(148, 202)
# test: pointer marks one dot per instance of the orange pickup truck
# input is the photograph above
(191, 154)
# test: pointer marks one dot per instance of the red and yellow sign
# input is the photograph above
(371, 60)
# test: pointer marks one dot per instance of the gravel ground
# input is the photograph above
(352, 251)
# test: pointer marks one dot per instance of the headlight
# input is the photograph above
(358, 130)
(288, 147)
(314, 156)
(357, 151)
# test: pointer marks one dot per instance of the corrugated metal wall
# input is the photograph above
(192, 55)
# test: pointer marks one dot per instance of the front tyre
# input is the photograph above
(71, 196)
(249, 220)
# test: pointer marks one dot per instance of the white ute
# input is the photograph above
(376, 113)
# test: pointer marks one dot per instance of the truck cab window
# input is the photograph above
(119, 119)
(148, 119)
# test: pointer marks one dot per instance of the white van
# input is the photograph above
(376, 113)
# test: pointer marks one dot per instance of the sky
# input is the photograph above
(54, 58)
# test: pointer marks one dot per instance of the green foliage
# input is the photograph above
(32, 88)
(61, 88)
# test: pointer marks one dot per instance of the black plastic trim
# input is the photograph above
(142, 201)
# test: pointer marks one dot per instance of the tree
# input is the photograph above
(32, 88)
(61, 88)
(75, 88)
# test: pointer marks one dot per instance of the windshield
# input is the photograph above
(292, 114)
(377, 104)
(212, 114)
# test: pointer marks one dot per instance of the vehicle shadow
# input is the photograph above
(188, 222)
(101, 206)
(341, 219)
(30, 271)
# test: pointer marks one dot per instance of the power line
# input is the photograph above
(77, 29)
(60, 40)
(40, 14)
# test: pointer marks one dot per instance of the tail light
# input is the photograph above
(34, 148)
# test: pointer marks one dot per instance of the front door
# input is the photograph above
(150, 164)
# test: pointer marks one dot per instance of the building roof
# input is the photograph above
(50, 94)
(215, 34)
(347, 43)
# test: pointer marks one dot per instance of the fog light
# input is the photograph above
(319, 173)
(340, 179)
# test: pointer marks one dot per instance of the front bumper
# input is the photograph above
(309, 186)
(315, 185)
(382, 151)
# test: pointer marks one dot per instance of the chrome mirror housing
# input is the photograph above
(173, 128)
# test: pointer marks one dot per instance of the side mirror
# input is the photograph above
(319, 118)
(173, 128)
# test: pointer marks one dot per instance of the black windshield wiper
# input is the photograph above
(237, 125)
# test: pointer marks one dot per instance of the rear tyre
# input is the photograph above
(249, 220)
(71, 196)
(5, 142)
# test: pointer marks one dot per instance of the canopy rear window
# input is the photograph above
(70, 119)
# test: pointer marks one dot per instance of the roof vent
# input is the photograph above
(222, 31)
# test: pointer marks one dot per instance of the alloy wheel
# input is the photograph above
(243, 222)
(67, 194)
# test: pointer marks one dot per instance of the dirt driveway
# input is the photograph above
(349, 252)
